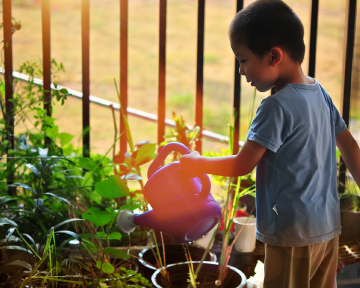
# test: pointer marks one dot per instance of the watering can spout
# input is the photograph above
(127, 221)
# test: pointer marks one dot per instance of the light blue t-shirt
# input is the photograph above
(297, 202)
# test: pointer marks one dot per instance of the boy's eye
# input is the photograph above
(242, 61)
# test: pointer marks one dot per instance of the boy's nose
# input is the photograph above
(241, 71)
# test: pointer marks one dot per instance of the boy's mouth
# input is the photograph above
(251, 82)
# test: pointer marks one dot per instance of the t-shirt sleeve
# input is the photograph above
(339, 122)
(340, 125)
(269, 127)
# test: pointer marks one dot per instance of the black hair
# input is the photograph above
(265, 24)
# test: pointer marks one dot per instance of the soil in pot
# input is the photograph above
(174, 253)
(207, 277)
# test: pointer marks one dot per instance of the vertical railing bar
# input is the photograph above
(9, 91)
(162, 71)
(313, 36)
(45, 16)
(123, 72)
(348, 61)
(200, 72)
(85, 42)
(237, 94)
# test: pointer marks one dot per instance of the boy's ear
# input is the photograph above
(276, 55)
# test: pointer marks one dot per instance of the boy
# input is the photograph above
(292, 142)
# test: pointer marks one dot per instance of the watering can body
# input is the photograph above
(181, 206)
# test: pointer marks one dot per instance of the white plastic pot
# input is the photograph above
(246, 241)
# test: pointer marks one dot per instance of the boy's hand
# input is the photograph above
(188, 164)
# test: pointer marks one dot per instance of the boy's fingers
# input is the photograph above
(187, 163)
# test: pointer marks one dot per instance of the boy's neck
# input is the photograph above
(290, 72)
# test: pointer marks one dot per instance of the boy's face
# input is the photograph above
(257, 70)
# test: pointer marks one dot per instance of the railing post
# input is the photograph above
(346, 84)
(123, 72)
(237, 94)
(9, 91)
(85, 29)
(313, 36)
(45, 22)
(45, 16)
(200, 72)
(162, 71)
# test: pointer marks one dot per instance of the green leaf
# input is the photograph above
(87, 236)
(98, 217)
(145, 154)
(4, 200)
(21, 264)
(18, 248)
(62, 199)
(95, 197)
(23, 186)
(112, 188)
(33, 169)
(87, 163)
(101, 234)
(5, 221)
(65, 138)
(115, 236)
(70, 233)
(116, 252)
(108, 268)
(88, 179)
(67, 221)
(98, 264)
(52, 132)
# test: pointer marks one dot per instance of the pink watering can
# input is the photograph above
(182, 206)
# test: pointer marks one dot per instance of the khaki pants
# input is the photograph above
(311, 266)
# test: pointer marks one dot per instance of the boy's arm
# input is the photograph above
(235, 165)
(350, 152)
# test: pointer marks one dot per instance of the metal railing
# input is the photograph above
(160, 119)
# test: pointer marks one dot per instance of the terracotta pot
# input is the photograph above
(174, 253)
(179, 275)
(350, 223)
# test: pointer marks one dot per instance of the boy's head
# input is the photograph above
(265, 24)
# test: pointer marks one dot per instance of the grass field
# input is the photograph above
(180, 57)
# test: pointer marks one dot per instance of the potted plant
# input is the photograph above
(350, 212)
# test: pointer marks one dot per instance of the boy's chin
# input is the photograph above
(263, 89)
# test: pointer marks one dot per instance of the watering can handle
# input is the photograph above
(164, 152)
(181, 148)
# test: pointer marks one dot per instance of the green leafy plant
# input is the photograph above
(22, 251)
(182, 133)
(350, 198)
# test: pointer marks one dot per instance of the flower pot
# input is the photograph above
(350, 220)
(350, 226)
(174, 253)
(246, 241)
(206, 278)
